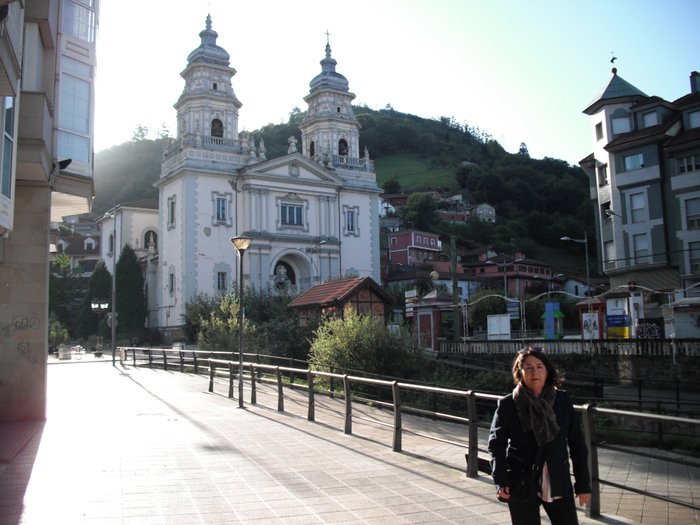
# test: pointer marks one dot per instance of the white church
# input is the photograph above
(312, 215)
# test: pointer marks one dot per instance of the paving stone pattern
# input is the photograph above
(140, 446)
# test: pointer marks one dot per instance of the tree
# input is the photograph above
(363, 342)
(99, 287)
(296, 116)
(420, 211)
(483, 303)
(131, 300)
(65, 292)
(58, 334)
(140, 133)
(277, 330)
(196, 309)
(392, 186)
(219, 332)
(523, 150)
(164, 132)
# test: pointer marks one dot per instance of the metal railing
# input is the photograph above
(649, 347)
(281, 375)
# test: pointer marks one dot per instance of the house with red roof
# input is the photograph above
(331, 298)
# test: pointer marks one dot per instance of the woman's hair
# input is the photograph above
(552, 375)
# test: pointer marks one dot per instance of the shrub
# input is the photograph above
(364, 343)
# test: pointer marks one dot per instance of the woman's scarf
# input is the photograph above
(537, 413)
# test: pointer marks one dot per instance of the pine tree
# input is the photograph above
(131, 299)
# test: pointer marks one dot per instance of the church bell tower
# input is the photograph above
(208, 107)
(330, 131)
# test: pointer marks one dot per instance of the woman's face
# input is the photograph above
(534, 374)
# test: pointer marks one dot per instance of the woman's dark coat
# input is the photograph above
(521, 451)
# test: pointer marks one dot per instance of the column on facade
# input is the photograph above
(24, 276)
(250, 198)
(264, 211)
(322, 206)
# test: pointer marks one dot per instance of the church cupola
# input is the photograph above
(208, 107)
(330, 132)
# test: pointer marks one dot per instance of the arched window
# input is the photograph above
(217, 128)
(150, 237)
(343, 148)
(312, 149)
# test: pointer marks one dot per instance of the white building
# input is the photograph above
(132, 223)
(312, 214)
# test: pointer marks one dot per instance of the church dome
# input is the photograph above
(208, 52)
(328, 78)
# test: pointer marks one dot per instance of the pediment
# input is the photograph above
(293, 167)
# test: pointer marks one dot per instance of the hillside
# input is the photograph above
(537, 201)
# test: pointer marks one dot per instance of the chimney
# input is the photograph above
(694, 82)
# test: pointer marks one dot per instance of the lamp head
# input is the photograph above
(241, 243)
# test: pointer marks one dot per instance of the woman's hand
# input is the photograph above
(584, 499)
(504, 493)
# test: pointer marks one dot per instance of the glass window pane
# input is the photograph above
(79, 20)
(73, 147)
(694, 119)
(7, 168)
(10, 116)
(620, 125)
(77, 68)
(634, 162)
(649, 119)
(75, 104)
(638, 205)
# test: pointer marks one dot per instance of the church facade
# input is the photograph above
(312, 215)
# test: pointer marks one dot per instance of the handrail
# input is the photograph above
(472, 420)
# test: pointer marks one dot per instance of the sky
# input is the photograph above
(520, 71)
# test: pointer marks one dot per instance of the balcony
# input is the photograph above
(34, 159)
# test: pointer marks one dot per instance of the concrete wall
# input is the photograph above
(24, 271)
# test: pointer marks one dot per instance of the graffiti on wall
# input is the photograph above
(19, 331)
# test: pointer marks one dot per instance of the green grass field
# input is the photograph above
(414, 173)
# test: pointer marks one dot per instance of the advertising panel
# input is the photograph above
(618, 326)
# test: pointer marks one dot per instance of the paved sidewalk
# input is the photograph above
(140, 446)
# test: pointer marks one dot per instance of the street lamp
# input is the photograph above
(241, 244)
(113, 317)
(98, 306)
(504, 265)
(588, 274)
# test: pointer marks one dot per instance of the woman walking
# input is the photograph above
(533, 434)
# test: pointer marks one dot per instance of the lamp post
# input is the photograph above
(521, 306)
(588, 274)
(241, 243)
(98, 306)
(113, 318)
(504, 265)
